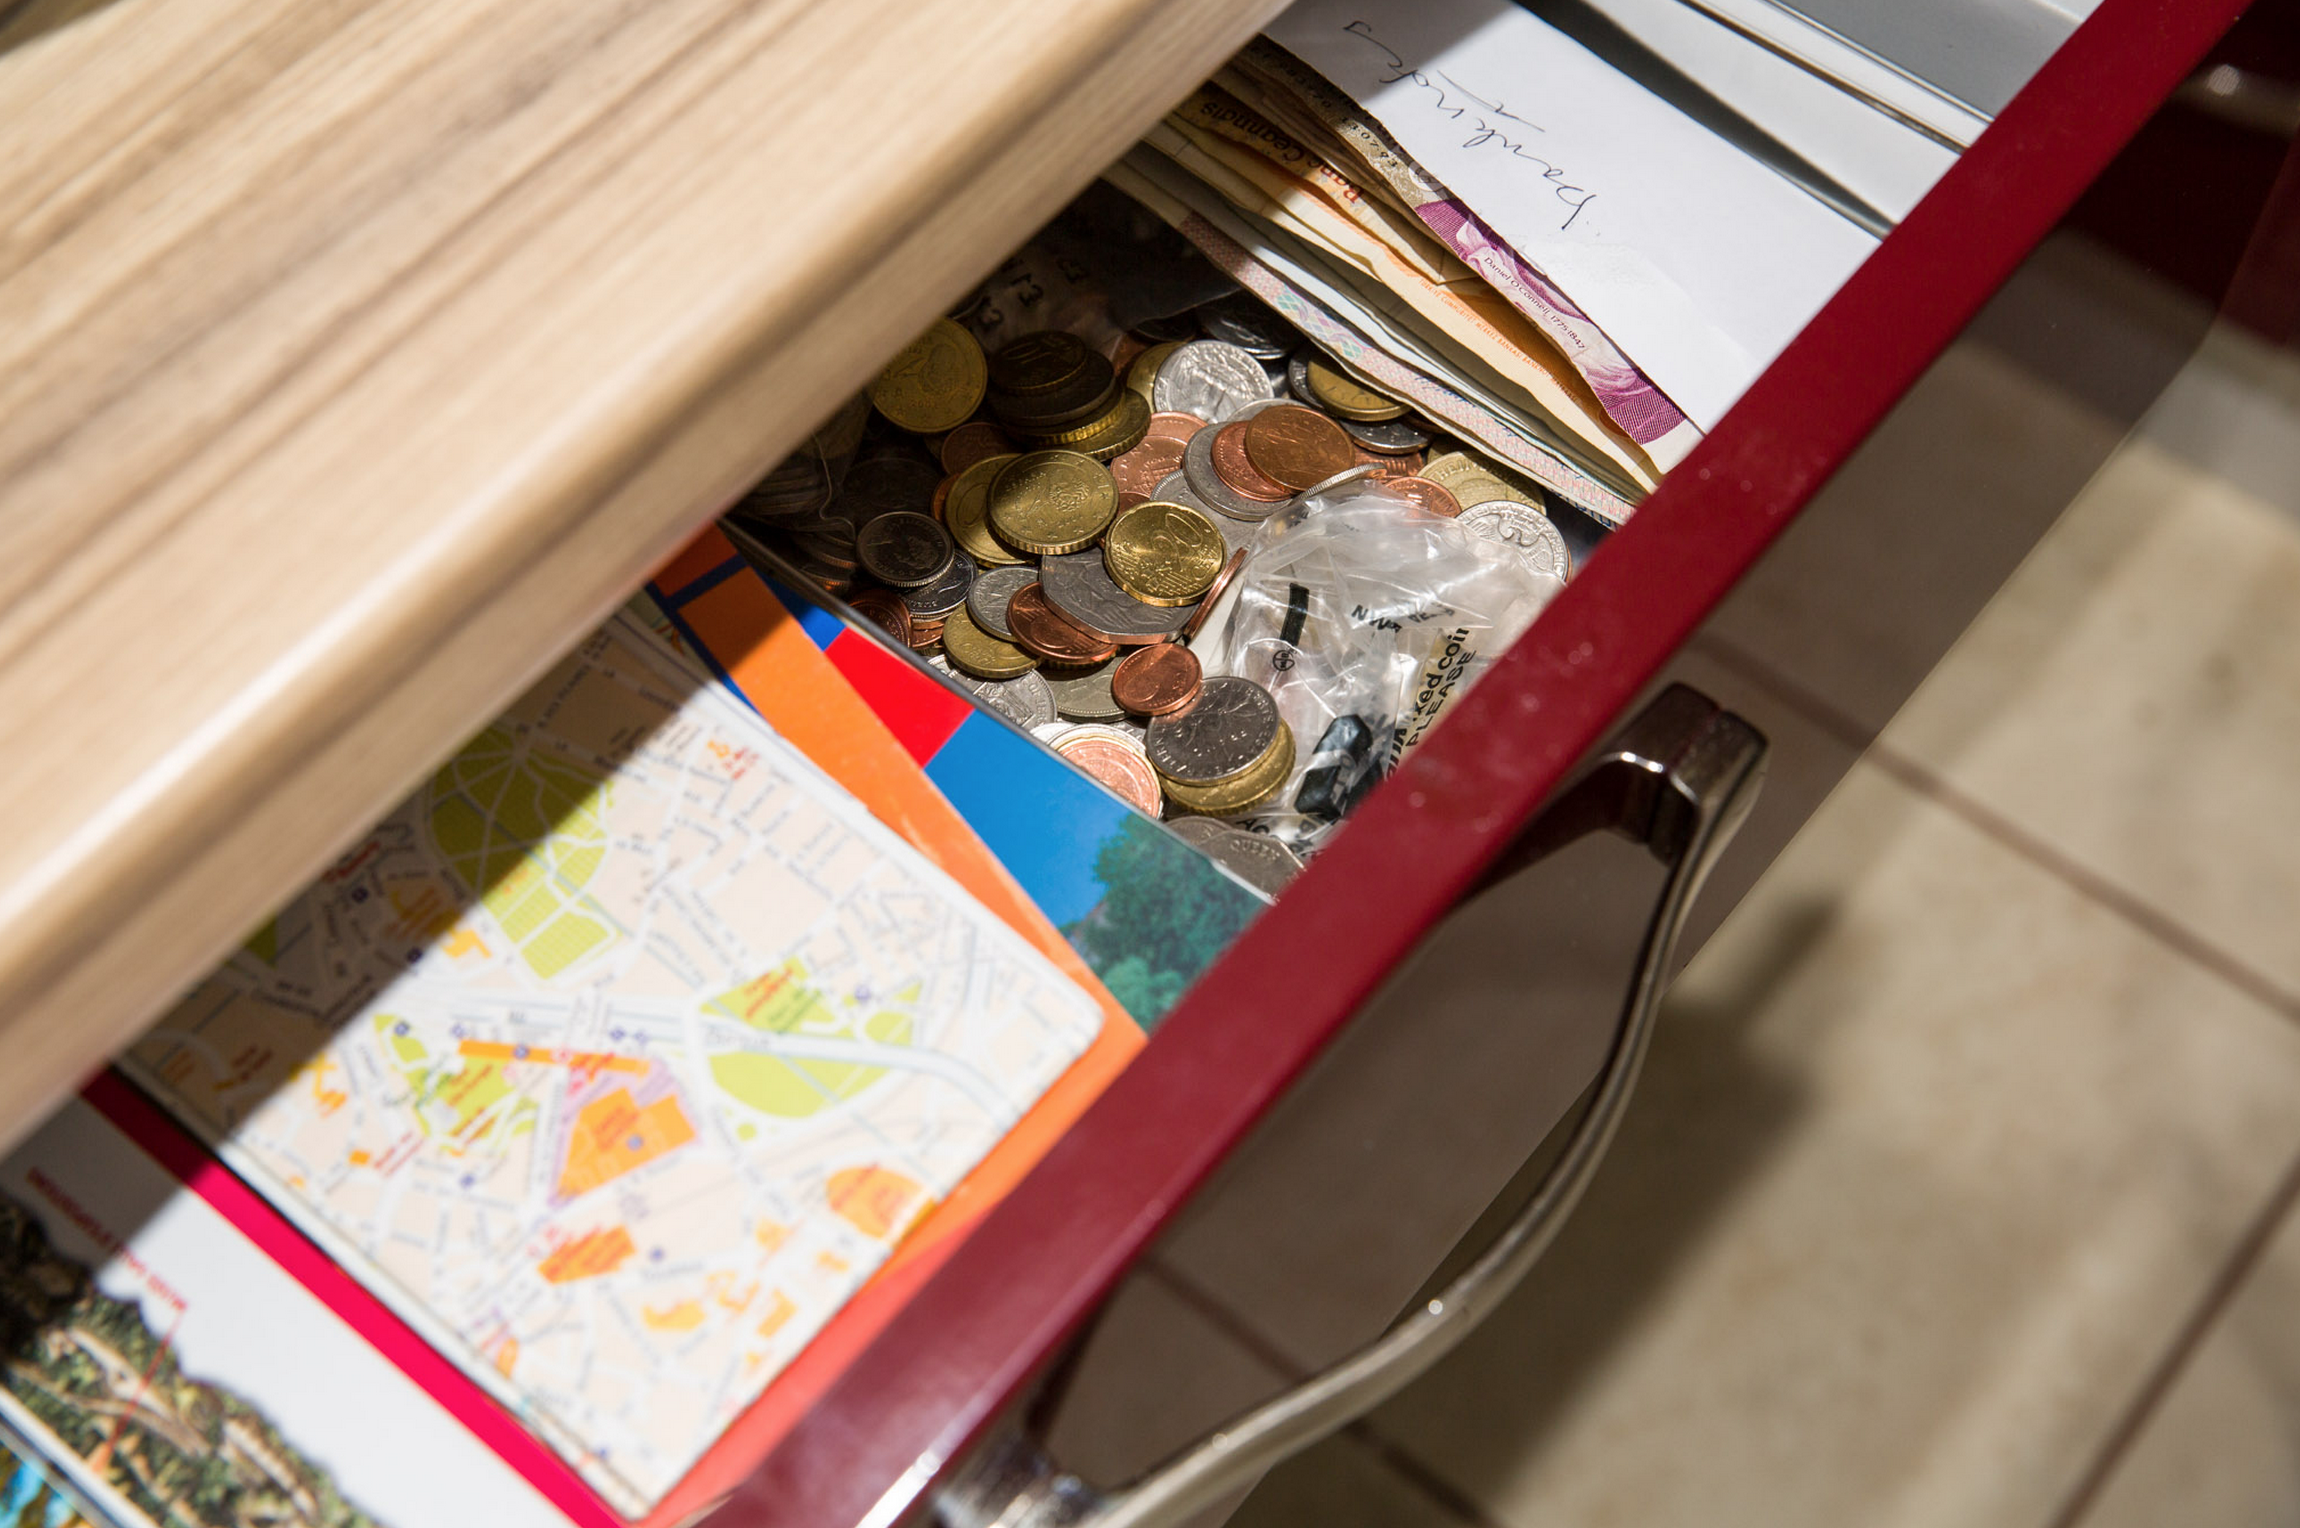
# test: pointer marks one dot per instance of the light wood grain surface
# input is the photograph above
(356, 356)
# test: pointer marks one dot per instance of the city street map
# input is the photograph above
(618, 1056)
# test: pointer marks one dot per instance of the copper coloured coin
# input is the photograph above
(975, 441)
(1433, 497)
(1174, 426)
(1213, 594)
(1140, 470)
(1297, 447)
(885, 609)
(1237, 470)
(1038, 627)
(1118, 764)
(1157, 681)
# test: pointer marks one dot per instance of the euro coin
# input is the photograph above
(977, 652)
(1050, 502)
(934, 383)
(1041, 629)
(1157, 680)
(1163, 554)
(966, 513)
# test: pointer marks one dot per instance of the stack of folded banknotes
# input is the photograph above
(1297, 194)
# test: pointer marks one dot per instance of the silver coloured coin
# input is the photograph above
(1026, 701)
(1244, 320)
(1085, 697)
(1211, 379)
(904, 549)
(1525, 531)
(1262, 863)
(936, 599)
(1222, 734)
(1341, 479)
(994, 589)
(1298, 380)
(1080, 586)
(1391, 437)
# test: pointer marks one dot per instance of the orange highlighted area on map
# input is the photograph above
(616, 1133)
(588, 1256)
(875, 1201)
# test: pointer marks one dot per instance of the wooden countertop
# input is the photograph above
(356, 356)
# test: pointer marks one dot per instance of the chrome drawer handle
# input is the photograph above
(1680, 779)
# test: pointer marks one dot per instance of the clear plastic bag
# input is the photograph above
(1364, 615)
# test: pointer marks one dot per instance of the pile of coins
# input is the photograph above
(1050, 524)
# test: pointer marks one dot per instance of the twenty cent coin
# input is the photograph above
(1471, 483)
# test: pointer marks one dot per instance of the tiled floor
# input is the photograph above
(1959, 1187)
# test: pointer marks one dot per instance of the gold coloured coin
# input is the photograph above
(1039, 363)
(1242, 792)
(966, 513)
(979, 653)
(1143, 370)
(1122, 430)
(1126, 414)
(1349, 397)
(1050, 502)
(1163, 554)
(1472, 482)
(935, 382)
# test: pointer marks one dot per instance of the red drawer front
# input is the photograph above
(1010, 1296)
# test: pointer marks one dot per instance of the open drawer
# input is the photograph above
(321, 711)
